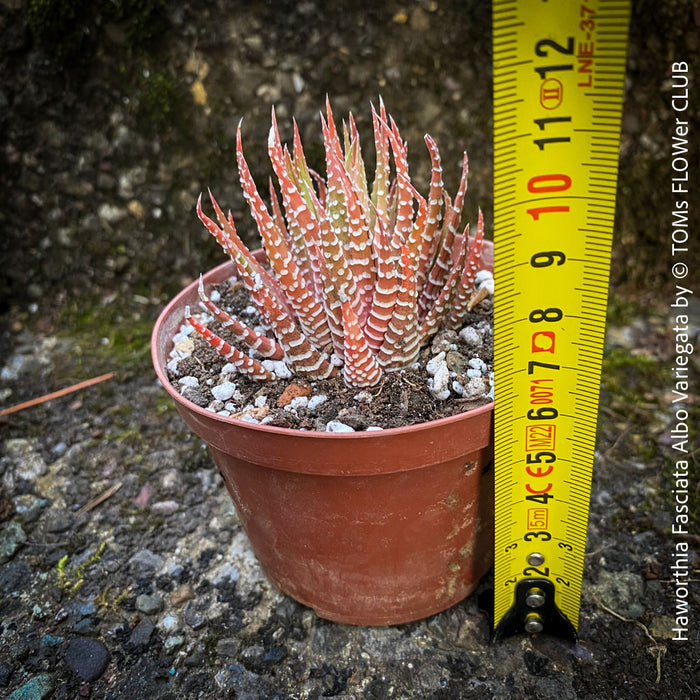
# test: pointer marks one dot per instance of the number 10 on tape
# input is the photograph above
(558, 86)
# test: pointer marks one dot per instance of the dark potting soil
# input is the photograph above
(401, 398)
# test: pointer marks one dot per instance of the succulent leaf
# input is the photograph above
(244, 363)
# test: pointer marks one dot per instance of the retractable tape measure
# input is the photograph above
(558, 77)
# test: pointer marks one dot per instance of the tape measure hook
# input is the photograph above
(535, 611)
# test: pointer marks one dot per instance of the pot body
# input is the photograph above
(370, 528)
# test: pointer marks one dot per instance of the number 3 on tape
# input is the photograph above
(558, 85)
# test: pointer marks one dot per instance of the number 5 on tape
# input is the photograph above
(558, 86)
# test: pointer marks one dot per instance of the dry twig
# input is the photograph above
(56, 394)
(658, 649)
(98, 499)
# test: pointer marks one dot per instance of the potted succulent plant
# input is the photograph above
(374, 526)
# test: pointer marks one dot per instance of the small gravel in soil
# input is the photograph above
(452, 375)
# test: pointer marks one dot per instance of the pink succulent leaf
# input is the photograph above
(321, 187)
(231, 241)
(224, 236)
(302, 222)
(460, 306)
(336, 206)
(337, 280)
(256, 279)
(263, 345)
(358, 247)
(382, 173)
(441, 268)
(354, 162)
(397, 135)
(334, 223)
(295, 240)
(361, 367)
(443, 301)
(385, 292)
(308, 311)
(403, 225)
(347, 142)
(401, 341)
(277, 216)
(330, 137)
(435, 196)
(415, 238)
(305, 359)
(242, 362)
(303, 175)
(303, 227)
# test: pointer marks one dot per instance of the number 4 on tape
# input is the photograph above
(558, 86)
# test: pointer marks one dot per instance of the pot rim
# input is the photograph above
(224, 271)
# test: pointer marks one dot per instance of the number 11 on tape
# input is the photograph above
(558, 86)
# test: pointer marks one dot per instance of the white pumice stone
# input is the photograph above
(475, 387)
(229, 368)
(182, 335)
(299, 402)
(279, 367)
(372, 428)
(484, 278)
(224, 391)
(363, 397)
(477, 363)
(470, 335)
(335, 426)
(316, 401)
(439, 383)
(260, 401)
(433, 365)
(188, 381)
(184, 348)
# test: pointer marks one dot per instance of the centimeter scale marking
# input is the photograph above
(558, 87)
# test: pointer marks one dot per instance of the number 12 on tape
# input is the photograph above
(558, 86)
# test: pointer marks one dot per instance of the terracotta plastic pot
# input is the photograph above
(369, 528)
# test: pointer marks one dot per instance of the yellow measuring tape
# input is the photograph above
(559, 69)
